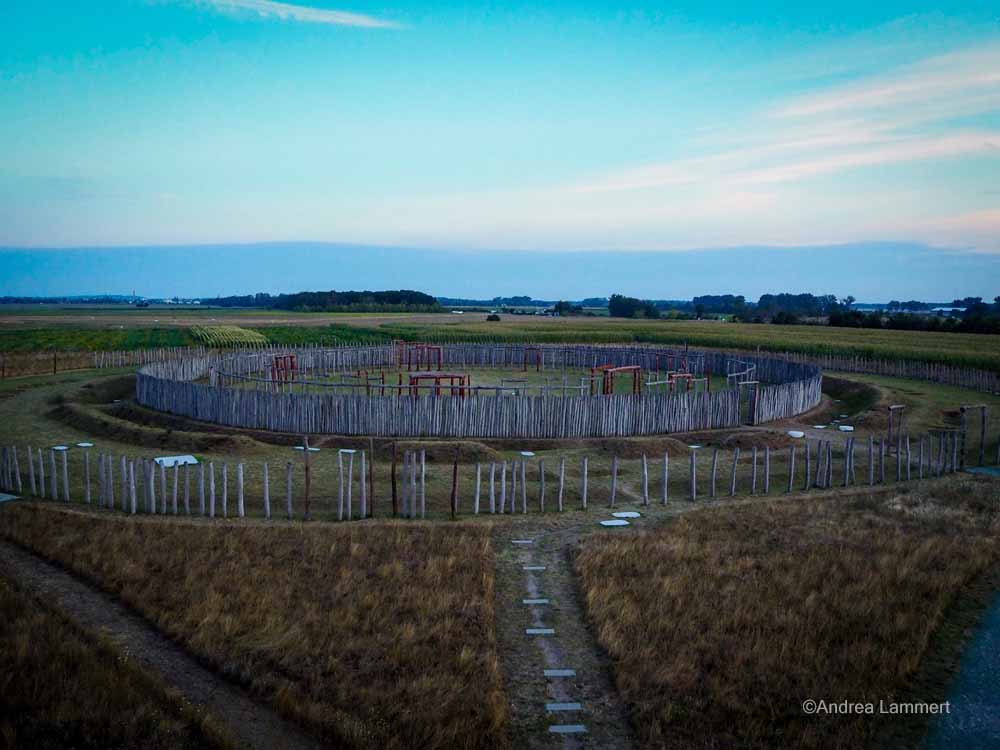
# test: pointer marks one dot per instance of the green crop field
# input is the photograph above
(63, 328)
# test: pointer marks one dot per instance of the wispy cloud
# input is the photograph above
(303, 13)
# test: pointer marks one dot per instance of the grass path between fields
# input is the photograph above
(251, 723)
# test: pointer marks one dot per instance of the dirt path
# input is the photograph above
(250, 723)
(542, 573)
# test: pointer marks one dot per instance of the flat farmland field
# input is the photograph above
(35, 328)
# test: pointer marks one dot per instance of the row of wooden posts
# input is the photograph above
(144, 485)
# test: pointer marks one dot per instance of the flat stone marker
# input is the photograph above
(539, 631)
(169, 462)
(845, 428)
(568, 729)
(627, 514)
(559, 672)
(4, 498)
(554, 707)
(615, 522)
(533, 567)
(522, 541)
(819, 426)
(534, 601)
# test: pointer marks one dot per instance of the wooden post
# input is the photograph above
(614, 480)
(17, 472)
(267, 493)
(340, 487)
(211, 489)
(133, 501)
(666, 477)
(187, 490)
(475, 495)
(163, 487)
(288, 489)
(31, 473)
(871, 461)
(392, 475)
(177, 480)
(753, 473)
(350, 483)
(583, 483)
(240, 508)
(225, 490)
(808, 480)
(86, 476)
(881, 460)
(65, 473)
(55, 475)
(694, 470)
(541, 485)
(524, 487)
(503, 486)
(493, 487)
(767, 469)
(732, 474)
(201, 488)
(954, 451)
(41, 474)
(363, 486)
(906, 441)
(847, 462)
(715, 466)
(982, 435)
(645, 480)
(791, 467)
(454, 487)
(562, 482)
(920, 458)
(423, 484)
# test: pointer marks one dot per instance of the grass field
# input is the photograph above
(722, 623)
(64, 688)
(370, 636)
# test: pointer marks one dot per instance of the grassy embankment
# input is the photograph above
(63, 687)
(723, 623)
(370, 636)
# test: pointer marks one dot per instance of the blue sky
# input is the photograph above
(572, 126)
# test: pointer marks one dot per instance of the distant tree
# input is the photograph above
(620, 306)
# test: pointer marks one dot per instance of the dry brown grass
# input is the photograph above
(374, 635)
(61, 688)
(723, 623)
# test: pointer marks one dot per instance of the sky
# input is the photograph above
(597, 130)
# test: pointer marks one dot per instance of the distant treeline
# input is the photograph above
(403, 300)
(519, 301)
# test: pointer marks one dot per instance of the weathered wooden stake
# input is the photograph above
(767, 469)
(225, 490)
(363, 485)
(31, 473)
(423, 484)
(288, 489)
(493, 488)
(732, 474)
(666, 477)
(475, 495)
(267, 493)
(503, 486)
(715, 465)
(177, 481)
(240, 508)
(541, 485)
(583, 483)
(753, 472)
(211, 489)
(65, 473)
(133, 500)
(350, 483)
(524, 487)
(187, 490)
(614, 480)
(86, 476)
(454, 487)
(694, 470)
(791, 467)
(808, 479)
(392, 475)
(201, 488)
(55, 475)
(562, 482)
(906, 441)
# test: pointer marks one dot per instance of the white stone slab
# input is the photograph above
(60, 448)
(533, 567)
(616, 522)
(819, 426)
(302, 448)
(527, 454)
(4, 498)
(522, 541)
(554, 707)
(845, 428)
(627, 514)
(169, 462)
(796, 433)
(84, 445)
(559, 672)
(539, 631)
(567, 729)
(534, 601)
